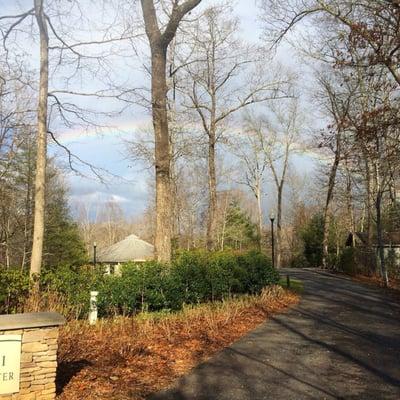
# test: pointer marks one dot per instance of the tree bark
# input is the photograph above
(40, 177)
(162, 155)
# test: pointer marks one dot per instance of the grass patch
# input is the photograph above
(295, 284)
(131, 357)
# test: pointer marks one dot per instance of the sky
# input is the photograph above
(105, 148)
(108, 150)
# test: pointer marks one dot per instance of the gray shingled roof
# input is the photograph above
(132, 248)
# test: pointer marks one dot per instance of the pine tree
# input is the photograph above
(240, 230)
(62, 242)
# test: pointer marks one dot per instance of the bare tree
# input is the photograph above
(221, 78)
(46, 18)
(250, 147)
(159, 40)
(41, 152)
(376, 128)
(337, 106)
(373, 25)
(279, 135)
(87, 216)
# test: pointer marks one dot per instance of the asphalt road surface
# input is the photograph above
(341, 342)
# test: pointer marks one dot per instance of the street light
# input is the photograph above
(94, 253)
(272, 219)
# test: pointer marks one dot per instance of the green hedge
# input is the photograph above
(14, 289)
(72, 285)
(192, 277)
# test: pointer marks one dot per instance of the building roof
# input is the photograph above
(132, 248)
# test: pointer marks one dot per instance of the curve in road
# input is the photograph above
(341, 342)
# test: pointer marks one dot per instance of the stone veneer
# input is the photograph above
(39, 333)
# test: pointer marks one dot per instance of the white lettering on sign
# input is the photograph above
(10, 359)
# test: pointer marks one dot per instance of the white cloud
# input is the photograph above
(98, 197)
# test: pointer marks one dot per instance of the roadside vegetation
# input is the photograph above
(294, 285)
(157, 320)
(233, 131)
(131, 357)
(193, 277)
(359, 261)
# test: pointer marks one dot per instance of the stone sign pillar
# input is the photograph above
(28, 355)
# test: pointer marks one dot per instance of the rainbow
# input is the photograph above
(94, 133)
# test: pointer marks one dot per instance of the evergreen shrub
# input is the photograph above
(347, 263)
(14, 289)
(192, 277)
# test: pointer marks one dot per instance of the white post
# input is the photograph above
(93, 308)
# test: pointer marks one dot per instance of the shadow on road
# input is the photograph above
(341, 342)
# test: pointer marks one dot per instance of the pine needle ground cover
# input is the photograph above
(131, 357)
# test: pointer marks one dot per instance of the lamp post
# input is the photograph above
(94, 253)
(272, 219)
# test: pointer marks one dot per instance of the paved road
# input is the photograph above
(341, 342)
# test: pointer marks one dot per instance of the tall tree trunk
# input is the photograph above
(380, 240)
(225, 211)
(329, 195)
(368, 202)
(350, 206)
(159, 43)
(40, 177)
(278, 244)
(162, 155)
(280, 184)
(392, 186)
(379, 228)
(28, 207)
(212, 175)
(260, 214)
(7, 242)
(173, 128)
(212, 188)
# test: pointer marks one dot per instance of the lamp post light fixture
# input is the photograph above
(94, 253)
(272, 219)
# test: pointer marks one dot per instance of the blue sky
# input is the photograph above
(106, 150)
(127, 187)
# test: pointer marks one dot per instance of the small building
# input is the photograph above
(130, 249)
(391, 240)
(369, 255)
